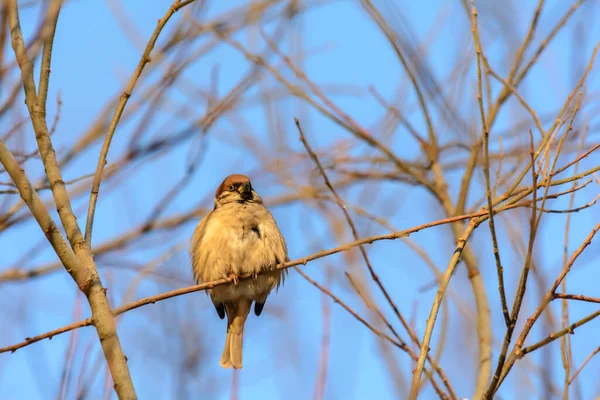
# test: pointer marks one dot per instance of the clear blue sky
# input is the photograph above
(93, 59)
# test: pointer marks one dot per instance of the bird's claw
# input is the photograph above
(255, 275)
(234, 278)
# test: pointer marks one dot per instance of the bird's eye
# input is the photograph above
(231, 188)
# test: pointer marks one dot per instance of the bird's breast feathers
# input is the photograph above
(236, 239)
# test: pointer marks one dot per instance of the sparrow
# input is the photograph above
(239, 236)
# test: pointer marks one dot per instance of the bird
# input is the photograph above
(239, 236)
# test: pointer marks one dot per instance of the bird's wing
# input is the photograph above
(195, 252)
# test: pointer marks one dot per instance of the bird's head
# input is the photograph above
(236, 188)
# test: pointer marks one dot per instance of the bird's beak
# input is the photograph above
(245, 188)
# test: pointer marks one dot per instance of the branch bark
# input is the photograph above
(77, 259)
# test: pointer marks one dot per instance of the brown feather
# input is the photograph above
(237, 312)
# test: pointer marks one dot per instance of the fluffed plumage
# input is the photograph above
(238, 237)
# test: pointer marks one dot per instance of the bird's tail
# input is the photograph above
(237, 312)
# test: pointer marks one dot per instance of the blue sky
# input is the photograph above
(93, 60)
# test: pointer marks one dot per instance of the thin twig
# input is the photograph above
(145, 59)
(587, 360)
(456, 256)
(556, 335)
(486, 170)
(321, 380)
(578, 297)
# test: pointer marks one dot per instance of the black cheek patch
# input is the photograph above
(257, 231)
